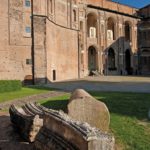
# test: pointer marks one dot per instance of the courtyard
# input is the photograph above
(107, 83)
(127, 98)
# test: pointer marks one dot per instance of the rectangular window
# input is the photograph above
(29, 61)
(27, 3)
(92, 32)
(28, 29)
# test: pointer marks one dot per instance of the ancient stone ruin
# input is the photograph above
(85, 108)
(27, 119)
(51, 129)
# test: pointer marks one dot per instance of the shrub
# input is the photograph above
(10, 85)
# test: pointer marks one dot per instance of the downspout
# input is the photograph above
(32, 46)
(78, 56)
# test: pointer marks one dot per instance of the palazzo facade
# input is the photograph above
(54, 40)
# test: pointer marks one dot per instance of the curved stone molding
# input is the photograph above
(51, 129)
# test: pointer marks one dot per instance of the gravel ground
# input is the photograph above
(106, 83)
(33, 98)
(10, 140)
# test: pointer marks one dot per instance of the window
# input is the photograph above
(28, 29)
(28, 61)
(109, 34)
(92, 25)
(127, 31)
(92, 32)
(27, 3)
(111, 29)
(54, 75)
(51, 6)
(74, 15)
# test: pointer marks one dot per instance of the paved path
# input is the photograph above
(107, 83)
(32, 98)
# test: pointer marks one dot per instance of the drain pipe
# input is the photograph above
(32, 46)
(78, 56)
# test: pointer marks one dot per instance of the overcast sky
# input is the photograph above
(134, 3)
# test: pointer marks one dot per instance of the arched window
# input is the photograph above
(111, 59)
(110, 29)
(92, 25)
(74, 16)
(51, 6)
(127, 31)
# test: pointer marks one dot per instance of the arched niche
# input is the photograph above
(92, 58)
(127, 31)
(111, 29)
(92, 25)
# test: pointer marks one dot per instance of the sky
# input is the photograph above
(134, 3)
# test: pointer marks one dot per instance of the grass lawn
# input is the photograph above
(25, 91)
(128, 111)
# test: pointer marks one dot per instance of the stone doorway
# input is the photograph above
(92, 59)
(128, 62)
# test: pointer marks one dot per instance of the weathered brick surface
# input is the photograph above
(65, 35)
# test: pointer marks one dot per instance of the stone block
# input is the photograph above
(60, 132)
(27, 120)
(85, 108)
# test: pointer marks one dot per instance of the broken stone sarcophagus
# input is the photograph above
(54, 130)
(28, 120)
(60, 132)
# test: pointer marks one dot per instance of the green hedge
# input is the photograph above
(10, 85)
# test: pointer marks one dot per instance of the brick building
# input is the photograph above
(144, 40)
(48, 40)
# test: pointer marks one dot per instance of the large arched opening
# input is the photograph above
(128, 62)
(92, 25)
(111, 29)
(92, 59)
(111, 59)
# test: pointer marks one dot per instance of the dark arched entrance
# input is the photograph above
(128, 62)
(92, 61)
(111, 59)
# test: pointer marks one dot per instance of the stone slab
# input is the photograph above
(85, 108)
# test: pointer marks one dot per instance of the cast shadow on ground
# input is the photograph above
(126, 104)
(56, 104)
(9, 139)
